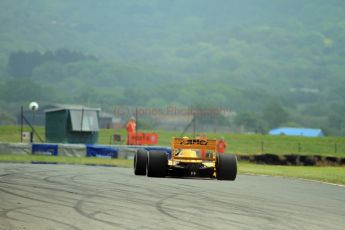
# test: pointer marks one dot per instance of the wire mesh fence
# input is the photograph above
(255, 146)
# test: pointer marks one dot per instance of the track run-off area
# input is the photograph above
(38, 196)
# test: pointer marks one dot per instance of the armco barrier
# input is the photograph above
(15, 148)
(77, 150)
(101, 151)
(72, 150)
(45, 149)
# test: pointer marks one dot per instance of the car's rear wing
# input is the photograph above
(202, 144)
(190, 143)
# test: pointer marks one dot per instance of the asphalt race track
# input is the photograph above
(88, 197)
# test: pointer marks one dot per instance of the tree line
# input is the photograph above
(22, 63)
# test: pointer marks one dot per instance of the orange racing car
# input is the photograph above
(187, 161)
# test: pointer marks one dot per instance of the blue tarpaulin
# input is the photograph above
(101, 151)
(306, 132)
(45, 149)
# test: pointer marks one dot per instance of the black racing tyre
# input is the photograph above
(140, 160)
(157, 164)
(226, 167)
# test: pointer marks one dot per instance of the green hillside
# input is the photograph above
(272, 62)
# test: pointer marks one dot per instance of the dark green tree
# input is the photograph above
(274, 115)
(247, 120)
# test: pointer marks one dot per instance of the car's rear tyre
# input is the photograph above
(157, 164)
(226, 167)
(140, 160)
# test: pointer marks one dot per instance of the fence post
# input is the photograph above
(262, 147)
(299, 147)
(335, 148)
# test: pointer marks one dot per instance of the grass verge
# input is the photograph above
(325, 174)
(328, 174)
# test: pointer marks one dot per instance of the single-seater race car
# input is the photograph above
(189, 158)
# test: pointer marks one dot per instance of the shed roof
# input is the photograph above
(307, 132)
(59, 107)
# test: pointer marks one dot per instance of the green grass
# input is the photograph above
(325, 174)
(12, 133)
(256, 143)
(237, 143)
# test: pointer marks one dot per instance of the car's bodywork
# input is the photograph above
(193, 157)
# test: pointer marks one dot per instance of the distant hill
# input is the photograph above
(240, 54)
